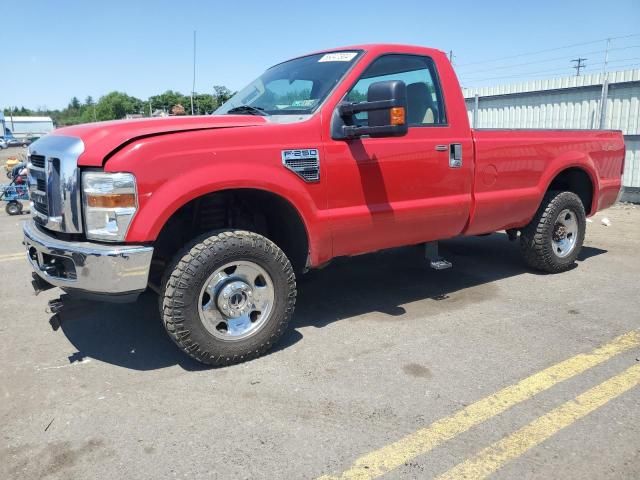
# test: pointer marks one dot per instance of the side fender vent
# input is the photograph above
(304, 163)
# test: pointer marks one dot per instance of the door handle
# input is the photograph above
(442, 148)
(455, 155)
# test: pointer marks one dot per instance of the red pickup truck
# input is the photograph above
(335, 153)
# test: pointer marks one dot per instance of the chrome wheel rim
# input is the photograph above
(236, 301)
(565, 233)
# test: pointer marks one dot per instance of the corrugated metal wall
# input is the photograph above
(632, 162)
(539, 110)
(568, 102)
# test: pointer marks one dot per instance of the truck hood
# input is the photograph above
(102, 138)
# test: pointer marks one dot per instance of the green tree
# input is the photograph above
(18, 111)
(116, 105)
(169, 99)
(203, 104)
(222, 94)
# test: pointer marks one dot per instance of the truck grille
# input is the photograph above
(40, 204)
(37, 161)
(38, 185)
(54, 183)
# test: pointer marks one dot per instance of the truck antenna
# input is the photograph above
(193, 85)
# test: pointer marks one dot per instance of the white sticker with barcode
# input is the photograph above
(338, 57)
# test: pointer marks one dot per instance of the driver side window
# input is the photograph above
(424, 100)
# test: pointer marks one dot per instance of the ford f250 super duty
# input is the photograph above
(336, 153)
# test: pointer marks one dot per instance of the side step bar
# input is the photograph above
(435, 260)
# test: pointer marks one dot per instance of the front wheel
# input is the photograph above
(553, 239)
(228, 297)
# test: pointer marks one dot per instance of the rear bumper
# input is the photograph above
(92, 268)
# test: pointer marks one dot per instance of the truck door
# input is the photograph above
(386, 192)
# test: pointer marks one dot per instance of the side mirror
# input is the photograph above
(386, 106)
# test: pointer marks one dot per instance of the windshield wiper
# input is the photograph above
(248, 109)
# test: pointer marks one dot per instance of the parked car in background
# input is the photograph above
(18, 142)
(3, 144)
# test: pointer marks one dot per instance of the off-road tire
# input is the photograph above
(535, 238)
(13, 208)
(185, 277)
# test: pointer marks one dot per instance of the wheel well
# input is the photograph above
(257, 211)
(577, 181)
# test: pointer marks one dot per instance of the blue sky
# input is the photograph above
(58, 49)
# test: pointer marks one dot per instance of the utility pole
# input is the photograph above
(451, 56)
(606, 56)
(193, 86)
(605, 88)
(579, 64)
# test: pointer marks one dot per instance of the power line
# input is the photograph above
(579, 65)
(548, 75)
(619, 60)
(522, 74)
(550, 71)
(629, 65)
(547, 60)
(552, 49)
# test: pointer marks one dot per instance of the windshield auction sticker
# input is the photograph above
(338, 57)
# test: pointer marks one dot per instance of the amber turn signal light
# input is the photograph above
(397, 116)
(121, 200)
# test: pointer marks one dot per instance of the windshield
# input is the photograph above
(292, 88)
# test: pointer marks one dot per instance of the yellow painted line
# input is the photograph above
(13, 256)
(389, 457)
(495, 456)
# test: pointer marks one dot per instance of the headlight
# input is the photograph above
(110, 202)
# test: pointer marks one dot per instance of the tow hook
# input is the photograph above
(38, 284)
(54, 307)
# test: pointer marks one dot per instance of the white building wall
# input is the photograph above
(632, 162)
(29, 126)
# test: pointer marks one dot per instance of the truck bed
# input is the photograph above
(514, 167)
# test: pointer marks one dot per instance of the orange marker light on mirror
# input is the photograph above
(397, 115)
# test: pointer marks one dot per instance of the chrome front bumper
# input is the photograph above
(89, 267)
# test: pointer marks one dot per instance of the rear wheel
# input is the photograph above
(228, 297)
(553, 239)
